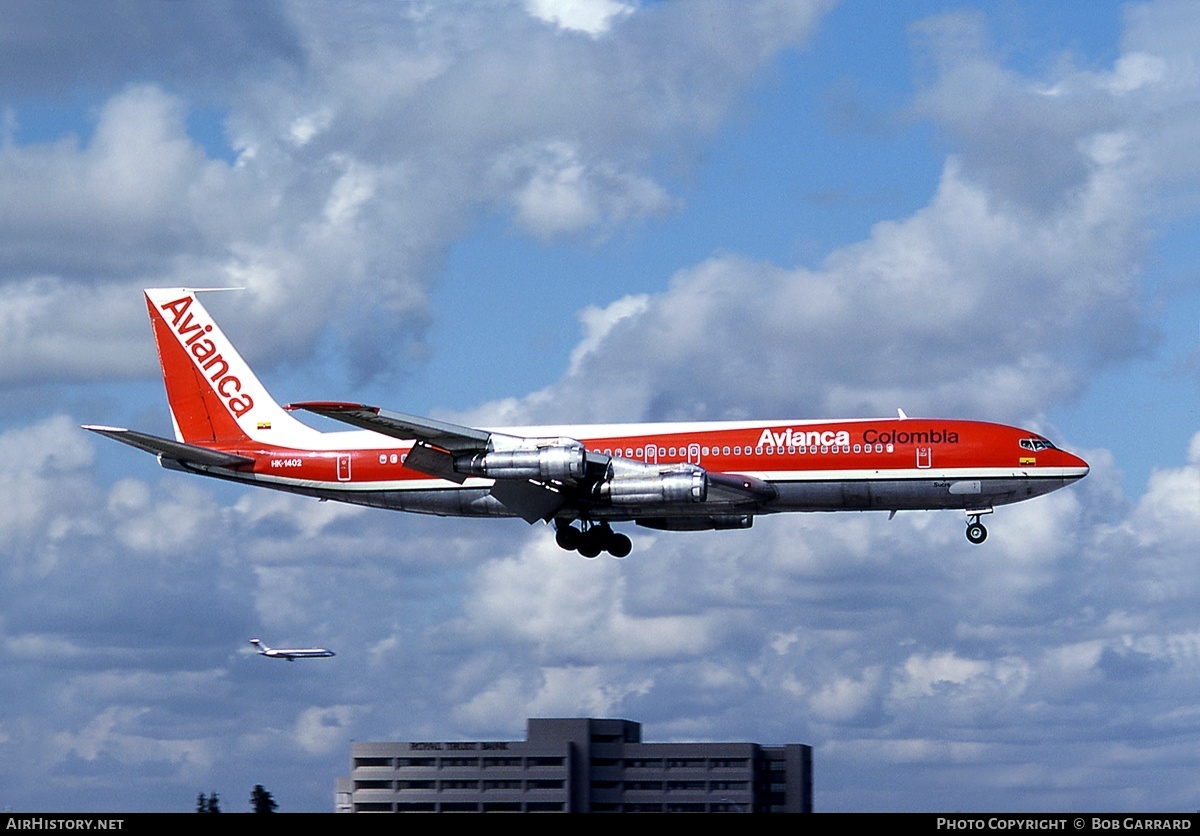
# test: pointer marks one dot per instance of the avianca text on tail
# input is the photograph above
(583, 478)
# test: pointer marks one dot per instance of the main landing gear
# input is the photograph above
(592, 540)
(976, 533)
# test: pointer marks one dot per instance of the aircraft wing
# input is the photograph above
(533, 487)
(451, 437)
(168, 449)
(437, 445)
(437, 442)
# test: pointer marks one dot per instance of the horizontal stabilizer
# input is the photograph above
(175, 450)
(452, 437)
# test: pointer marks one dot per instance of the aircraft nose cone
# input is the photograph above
(1073, 461)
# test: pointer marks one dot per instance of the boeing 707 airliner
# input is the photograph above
(686, 476)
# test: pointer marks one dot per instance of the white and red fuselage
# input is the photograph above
(674, 476)
(893, 464)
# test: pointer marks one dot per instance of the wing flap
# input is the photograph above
(531, 501)
(175, 450)
(434, 462)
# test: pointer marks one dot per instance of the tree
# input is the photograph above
(261, 800)
(211, 804)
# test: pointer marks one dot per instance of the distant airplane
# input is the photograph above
(292, 653)
(673, 477)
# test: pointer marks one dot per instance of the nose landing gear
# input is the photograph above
(976, 532)
(592, 540)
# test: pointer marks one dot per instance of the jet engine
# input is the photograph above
(650, 485)
(560, 462)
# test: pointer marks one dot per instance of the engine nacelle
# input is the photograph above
(559, 462)
(720, 522)
(651, 487)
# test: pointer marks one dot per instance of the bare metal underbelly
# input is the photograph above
(806, 495)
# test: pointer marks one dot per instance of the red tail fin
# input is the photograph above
(213, 394)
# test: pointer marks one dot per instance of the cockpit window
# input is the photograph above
(1036, 444)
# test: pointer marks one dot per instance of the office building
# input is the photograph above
(577, 765)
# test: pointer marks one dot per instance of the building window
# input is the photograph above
(360, 762)
(544, 762)
(492, 763)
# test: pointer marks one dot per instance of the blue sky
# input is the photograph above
(518, 212)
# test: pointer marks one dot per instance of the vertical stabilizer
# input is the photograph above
(213, 394)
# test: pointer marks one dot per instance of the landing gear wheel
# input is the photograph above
(976, 533)
(567, 537)
(619, 545)
(592, 542)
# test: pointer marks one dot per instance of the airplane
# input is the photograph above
(685, 476)
(292, 653)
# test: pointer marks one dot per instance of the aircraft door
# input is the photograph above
(694, 453)
(924, 456)
(343, 468)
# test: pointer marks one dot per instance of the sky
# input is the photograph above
(540, 211)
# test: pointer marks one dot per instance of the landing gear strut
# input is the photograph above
(592, 540)
(976, 533)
